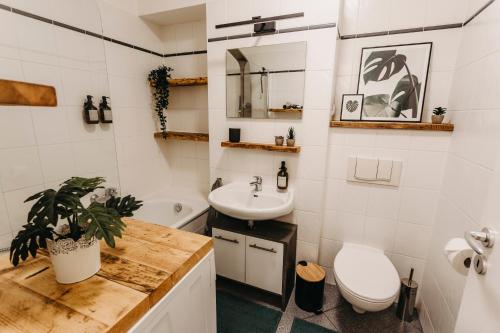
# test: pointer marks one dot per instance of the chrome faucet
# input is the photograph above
(257, 183)
(109, 192)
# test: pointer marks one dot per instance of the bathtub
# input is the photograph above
(178, 209)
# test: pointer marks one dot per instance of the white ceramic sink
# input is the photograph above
(238, 200)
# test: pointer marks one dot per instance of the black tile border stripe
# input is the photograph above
(478, 12)
(280, 31)
(96, 35)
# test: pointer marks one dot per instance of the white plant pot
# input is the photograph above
(74, 261)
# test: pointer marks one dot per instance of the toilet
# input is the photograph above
(365, 277)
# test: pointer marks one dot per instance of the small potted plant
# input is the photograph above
(290, 137)
(278, 140)
(60, 223)
(438, 115)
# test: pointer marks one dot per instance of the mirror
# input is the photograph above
(266, 81)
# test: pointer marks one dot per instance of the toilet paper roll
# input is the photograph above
(458, 253)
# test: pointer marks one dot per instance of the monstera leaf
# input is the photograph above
(28, 241)
(124, 206)
(101, 222)
(381, 65)
(53, 205)
(404, 97)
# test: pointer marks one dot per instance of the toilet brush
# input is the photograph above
(407, 297)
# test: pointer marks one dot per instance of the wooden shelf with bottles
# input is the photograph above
(393, 125)
(183, 136)
(260, 146)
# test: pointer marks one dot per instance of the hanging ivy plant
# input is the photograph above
(158, 79)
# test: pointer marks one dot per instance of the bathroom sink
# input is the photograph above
(239, 200)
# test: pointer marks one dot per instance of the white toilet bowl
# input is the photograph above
(365, 277)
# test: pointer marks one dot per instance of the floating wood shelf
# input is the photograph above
(195, 81)
(285, 110)
(24, 93)
(185, 136)
(260, 146)
(393, 125)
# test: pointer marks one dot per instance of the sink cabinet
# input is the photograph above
(263, 257)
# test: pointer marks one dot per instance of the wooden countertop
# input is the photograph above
(145, 265)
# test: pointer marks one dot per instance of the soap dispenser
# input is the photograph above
(105, 113)
(282, 178)
(90, 111)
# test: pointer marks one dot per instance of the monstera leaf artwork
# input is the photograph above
(392, 91)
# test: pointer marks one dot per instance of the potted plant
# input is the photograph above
(290, 138)
(158, 80)
(438, 115)
(60, 223)
(278, 140)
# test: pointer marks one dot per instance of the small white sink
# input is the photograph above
(238, 200)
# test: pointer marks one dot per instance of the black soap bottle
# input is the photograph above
(105, 111)
(90, 111)
(282, 179)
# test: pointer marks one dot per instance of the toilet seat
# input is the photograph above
(366, 274)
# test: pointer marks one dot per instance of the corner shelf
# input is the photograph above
(183, 136)
(393, 125)
(260, 146)
(285, 110)
(185, 82)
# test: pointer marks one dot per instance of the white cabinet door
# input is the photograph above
(264, 264)
(188, 308)
(229, 254)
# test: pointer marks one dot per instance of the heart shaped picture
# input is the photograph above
(352, 107)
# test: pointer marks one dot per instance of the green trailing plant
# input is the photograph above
(291, 133)
(64, 207)
(158, 80)
(439, 111)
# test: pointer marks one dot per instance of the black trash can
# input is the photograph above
(309, 286)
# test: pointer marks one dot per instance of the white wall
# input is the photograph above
(40, 146)
(306, 169)
(147, 164)
(188, 110)
(396, 219)
(470, 164)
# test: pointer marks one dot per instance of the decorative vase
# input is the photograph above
(437, 119)
(279, 140)
(290, 142)
(74, 261)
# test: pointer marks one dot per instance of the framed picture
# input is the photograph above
(352, 104)
(393, 79)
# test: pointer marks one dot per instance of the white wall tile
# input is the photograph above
(418, 206)
(412, 240)
(19, 168)
(380, 233)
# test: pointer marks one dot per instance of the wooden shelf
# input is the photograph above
(184, 136)
(185, 82)
(260, 146)
(24, 93)
(393, 125)
(285, 110)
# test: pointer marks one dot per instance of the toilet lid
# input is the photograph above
(366, 273)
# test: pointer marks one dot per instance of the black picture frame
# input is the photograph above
(423, 94)
(342, 116)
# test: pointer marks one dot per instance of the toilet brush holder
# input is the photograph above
(407, 297)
